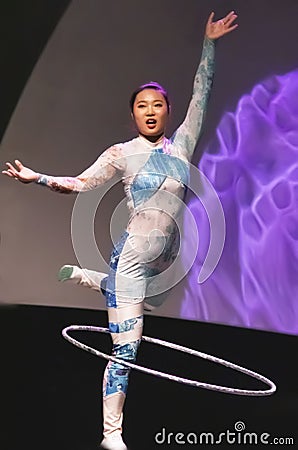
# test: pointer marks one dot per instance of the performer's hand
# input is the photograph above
(20, 173)
(215, 30)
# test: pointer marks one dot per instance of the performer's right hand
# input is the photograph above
(21, 173)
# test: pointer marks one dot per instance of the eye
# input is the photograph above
(141, 106)
(159, 105)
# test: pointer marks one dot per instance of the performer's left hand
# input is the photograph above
(215, 30)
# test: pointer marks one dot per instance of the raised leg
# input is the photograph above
(83, 277)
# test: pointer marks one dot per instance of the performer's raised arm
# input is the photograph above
(188, 133)
(102, 170)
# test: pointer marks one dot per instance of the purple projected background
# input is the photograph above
(252, 164)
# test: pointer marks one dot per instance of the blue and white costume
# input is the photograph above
(154, 176)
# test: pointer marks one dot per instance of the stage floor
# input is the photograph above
(51, 390)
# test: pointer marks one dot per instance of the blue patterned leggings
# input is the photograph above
(135, 265)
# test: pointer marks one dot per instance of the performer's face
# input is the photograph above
(150, 113)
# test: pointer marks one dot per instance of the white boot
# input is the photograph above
(83, 277)
(113, 443)
(112, 417)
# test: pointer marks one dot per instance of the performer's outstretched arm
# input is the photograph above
(187, 135)
(101, 171)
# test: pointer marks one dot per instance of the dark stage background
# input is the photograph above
(67, 71)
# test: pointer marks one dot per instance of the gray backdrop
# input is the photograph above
(75, 105)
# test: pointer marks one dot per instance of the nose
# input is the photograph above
(150, 111)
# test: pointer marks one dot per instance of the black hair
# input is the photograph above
(151, 85)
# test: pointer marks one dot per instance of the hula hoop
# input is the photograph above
(199, 384)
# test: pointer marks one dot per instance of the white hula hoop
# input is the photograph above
(199, 384)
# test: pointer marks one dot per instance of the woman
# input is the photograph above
(154, 172)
